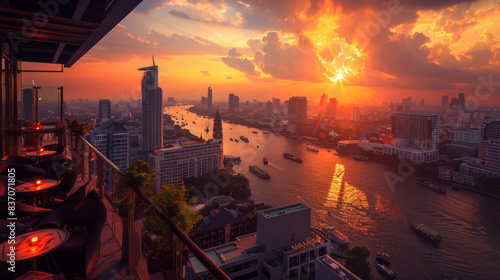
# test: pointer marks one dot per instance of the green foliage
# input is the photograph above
(139, 174)
(357, 262)
(209, 185)
(172, 202)
(77, 128)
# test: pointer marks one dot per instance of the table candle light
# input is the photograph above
(34, 240)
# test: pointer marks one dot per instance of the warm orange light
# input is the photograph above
(34, 240)
(41, 149)
(37, 127)
(38, 182)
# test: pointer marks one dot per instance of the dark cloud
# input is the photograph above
(241, 64)
(121, 44)
(179, 14)
(233, 52)
(146, 7)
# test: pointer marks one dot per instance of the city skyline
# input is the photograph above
(381, 52)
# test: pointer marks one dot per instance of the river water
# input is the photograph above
(367, 209)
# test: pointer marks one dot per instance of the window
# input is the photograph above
(322, 251)
(247, 276)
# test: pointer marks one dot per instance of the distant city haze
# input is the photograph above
(362, 52)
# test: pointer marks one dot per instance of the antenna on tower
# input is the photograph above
(153, 60)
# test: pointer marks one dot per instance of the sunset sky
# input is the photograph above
(359, 51)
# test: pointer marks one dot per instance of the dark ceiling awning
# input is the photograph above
(58, 31)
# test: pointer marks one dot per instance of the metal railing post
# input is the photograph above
(100, 177)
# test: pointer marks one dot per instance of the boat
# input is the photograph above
(292, 157)
(431, 186)
(266, 131)
(236, 140)
(426, 232)
(244, 139)
(385, 270)
(231, 139)
(265, 160)
(206, 129)
(312, 148)
(257, 146)
(383, 258)
(336, 236)
(335, 216)
(340, 155)
(255, 132)
(259, 172)
(329, 151)
(194, 122)
(360, 158)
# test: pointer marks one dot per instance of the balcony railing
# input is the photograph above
(88, 162)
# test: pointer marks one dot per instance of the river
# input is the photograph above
(367, 209)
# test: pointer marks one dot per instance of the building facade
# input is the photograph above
(104, 111)
(297, 110)
(152, 109)
(233, 103)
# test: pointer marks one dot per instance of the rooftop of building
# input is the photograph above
(417, 114)
(472, 175)
(243, 247)
(445, 167)
(283, 210)
(336, 267)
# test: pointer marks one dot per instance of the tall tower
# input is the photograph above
(152, 134)
(209, 99)
(217, 131)
(104, 111)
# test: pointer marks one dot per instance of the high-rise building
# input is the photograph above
(28, 98)
(444, 102)
(276, 103)
(490, 145)
(461, 99)
(204, 102)
(323, 100)
(217, 130)
(417, 130)
(104, 111)
(152, 109)
(113, 141)
(297, 110)
(209, 99)
(331, 108)
(233, 103)
(355, 114)
(269, 109)
(185, 159)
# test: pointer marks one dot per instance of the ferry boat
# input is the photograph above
(312, 148)
(383, 258)
(255, 132)
(385, 270)
(334, 235)
(266, 131)
(360, 158)
(431, 186)
(426, 232)
(265, 160)
(292, 157)
(259, 172)
(244, 139)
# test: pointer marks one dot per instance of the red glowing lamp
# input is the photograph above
(34, 240)
(41, 149)
(38, 182)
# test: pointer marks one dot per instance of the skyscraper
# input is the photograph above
(104, 111)
(217, 130)
(28, 104)
(276, 103)
(233, 103)
(461, 99)
(209, 99)
(323, 100)
(152, 134)
(444, 102)
(331, 108)
(417, 130)
(297, 110)
(355, 114)
(269, 109)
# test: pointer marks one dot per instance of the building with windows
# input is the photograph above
(445, 173)
(28, 97)
(355, 114)
(233, 103)
(152, 109)
(283, 248)
(269, 109)
(297, 110)
(104, 111)
(209, 99)
(185, 159)
(328, 268)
